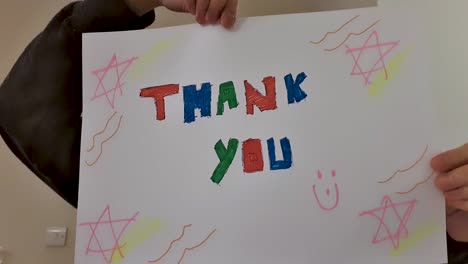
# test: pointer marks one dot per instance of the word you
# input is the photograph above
(200, 99)
(252, 156)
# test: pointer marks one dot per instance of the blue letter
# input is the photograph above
(295, 93)
(194, 99)
(287, 155)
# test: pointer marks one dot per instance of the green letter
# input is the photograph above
(227, 93)
(226, 156)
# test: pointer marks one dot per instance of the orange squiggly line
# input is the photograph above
(102, 131)
(334, 32)
(416, 186)
(195, 247)
(405, 170)
(170, 245)
(353, 34)
(102, 144)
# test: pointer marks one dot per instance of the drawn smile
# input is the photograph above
(337, 198)
(328, 193)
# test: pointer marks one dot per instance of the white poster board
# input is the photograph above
(300, 138)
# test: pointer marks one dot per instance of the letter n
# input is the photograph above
(263, 102)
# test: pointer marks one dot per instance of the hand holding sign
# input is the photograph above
(206, 11)
(453, 182)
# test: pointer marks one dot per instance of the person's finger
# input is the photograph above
(460, 205)
(190, 6)
(229, 16)
(453, 180)
(449, 210)
(451, 159)
(214, 10)
(460, 194)
(200, 10)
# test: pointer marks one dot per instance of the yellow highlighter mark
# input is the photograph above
(393, 67)
(136, 235)
(139, 67)
(419, 234)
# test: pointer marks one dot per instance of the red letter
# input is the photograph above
(158, 93)
(252, 155)
(263, 102)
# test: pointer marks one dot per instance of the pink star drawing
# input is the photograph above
(383, 50)
(109, 91)
(105, 230)
(380, 214)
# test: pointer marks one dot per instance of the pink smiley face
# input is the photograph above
(328, 193)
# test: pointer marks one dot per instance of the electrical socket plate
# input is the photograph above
(56, 236)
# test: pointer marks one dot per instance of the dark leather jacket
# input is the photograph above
(41, 97)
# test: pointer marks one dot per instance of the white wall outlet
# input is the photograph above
(56, 236)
